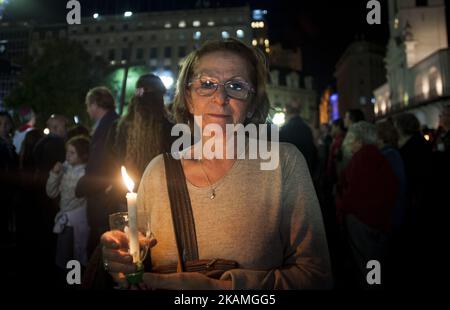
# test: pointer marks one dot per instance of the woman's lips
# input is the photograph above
(218, 115)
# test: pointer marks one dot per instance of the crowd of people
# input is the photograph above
(59, 187)
(379, 185)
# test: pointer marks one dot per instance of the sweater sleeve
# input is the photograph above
(306, 262)
(53, 183)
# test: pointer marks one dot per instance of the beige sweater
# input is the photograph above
(269, 221)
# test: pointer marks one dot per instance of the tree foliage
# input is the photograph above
(57, 81)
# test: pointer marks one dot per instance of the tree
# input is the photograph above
(58, 80)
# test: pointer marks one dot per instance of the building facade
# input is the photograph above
(159, 40)
(289, 87)
(417, 62)
(358, 72)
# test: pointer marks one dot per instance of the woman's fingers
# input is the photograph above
(120, 256)
(114, 239)
(115, 267)
(146, 242)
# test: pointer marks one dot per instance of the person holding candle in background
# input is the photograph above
(269, 221)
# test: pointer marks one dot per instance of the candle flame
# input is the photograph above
(127, 180)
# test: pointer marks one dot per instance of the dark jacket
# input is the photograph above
(417, 158)
(396, 162)
(47, 152)
(99, 171)
(297, 132)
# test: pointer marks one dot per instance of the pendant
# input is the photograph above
(213, 194)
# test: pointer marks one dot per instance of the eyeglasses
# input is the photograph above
(207, 86)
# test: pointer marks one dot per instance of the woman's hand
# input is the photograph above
(116, 258)
(184, 281)
(57, 168)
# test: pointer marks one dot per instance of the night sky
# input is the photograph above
(322, 29)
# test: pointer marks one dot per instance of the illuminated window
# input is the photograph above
(196, 23)
(182, 24)
(197, 35)
(225, 35)
(439, 87)
(425, 87)
(396, 23)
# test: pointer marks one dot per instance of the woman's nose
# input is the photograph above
(220, 95)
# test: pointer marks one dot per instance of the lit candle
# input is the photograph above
(132, 217)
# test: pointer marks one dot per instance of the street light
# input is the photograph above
(167, 80)
(279, 119)
(95, 15)
(128, 14)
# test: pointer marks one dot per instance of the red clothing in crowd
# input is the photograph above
(368, 189)
(332, 157)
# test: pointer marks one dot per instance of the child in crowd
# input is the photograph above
(71, 221)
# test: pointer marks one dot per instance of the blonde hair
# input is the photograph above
(257, 66)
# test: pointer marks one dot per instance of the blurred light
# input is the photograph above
(123, 61)
(396, 23)
(76, 119)
(46, 131)
(261, 24)
(334, 101)
(167, 79)
(257, 14)
(383, 107)
(167, 25)
(266, 42)
(406, 98)
(267, 50)
(197, 35)
(375, 109)
(279, 119)
(240, 33)
(439, 87)
(427, 137)
(196, 23)
(182, 24)
(211, 23)
(127, 13)
(425, 87)
(95, 15)
(225, 35)
(372, 100)
(254, 42)
(112, 62)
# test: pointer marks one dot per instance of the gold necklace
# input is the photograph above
(213, 190)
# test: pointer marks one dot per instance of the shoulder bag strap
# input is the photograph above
(182, 216)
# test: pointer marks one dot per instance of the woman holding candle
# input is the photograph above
(269, 221)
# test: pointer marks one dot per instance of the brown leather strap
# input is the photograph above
(182, 216)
